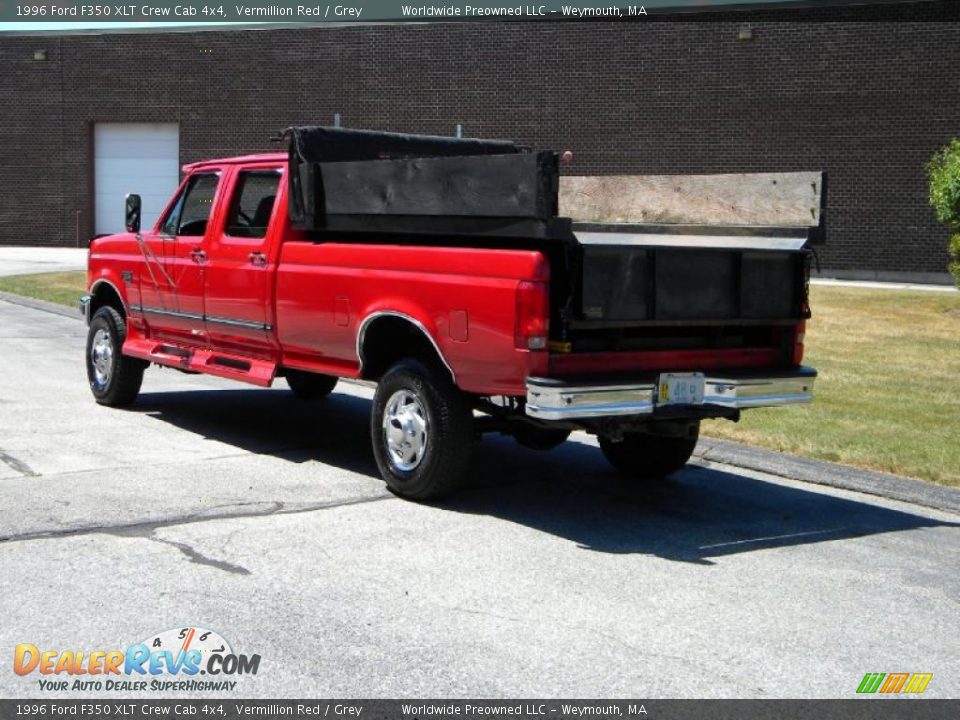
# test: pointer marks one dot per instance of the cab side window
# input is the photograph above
(253, 200)
(190, 214)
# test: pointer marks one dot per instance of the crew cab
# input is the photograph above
(441, 270)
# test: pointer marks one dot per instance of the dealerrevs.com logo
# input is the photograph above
(894, 683)
(172, 660)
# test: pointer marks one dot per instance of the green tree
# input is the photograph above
(944, 172)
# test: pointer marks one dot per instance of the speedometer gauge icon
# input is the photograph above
(184, 639)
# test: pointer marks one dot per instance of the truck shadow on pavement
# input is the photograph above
(570, 492)
(696, 515)
(333, 430)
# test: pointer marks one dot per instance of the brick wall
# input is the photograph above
(866, 101)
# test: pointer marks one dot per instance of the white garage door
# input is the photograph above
(142, 158)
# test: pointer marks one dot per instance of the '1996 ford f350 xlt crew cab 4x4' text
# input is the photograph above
(479, 289)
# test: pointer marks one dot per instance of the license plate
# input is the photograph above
(680, 389)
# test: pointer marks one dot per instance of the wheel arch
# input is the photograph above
(387, 336)
(104, 292)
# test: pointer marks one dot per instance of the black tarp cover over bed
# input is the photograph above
(361, 180)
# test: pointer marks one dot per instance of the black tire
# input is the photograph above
(424, 405)
(537, 438)
(310, 386)
(115, 382)
(650, 457)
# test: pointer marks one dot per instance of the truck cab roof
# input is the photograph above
(238, 160)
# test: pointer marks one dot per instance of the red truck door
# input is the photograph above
(156, 290)
(185, 254)
(238, 270)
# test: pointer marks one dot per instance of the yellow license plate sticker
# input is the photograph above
(680, 389)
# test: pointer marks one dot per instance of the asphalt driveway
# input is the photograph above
(251, 513)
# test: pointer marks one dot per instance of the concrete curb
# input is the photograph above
(820, 472)
(43, 305)
(793, 467)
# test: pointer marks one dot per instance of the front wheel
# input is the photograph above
(644, 456)
(115, 379)
(422, 432)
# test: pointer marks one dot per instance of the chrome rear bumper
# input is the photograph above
(556, 399)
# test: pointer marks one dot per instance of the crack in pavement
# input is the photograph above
(148, 527)
(16, 464)
(195, 556)
(191, 553)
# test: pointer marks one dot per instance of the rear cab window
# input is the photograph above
(254, 197)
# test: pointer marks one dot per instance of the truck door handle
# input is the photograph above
(198, 255)
(258, 259)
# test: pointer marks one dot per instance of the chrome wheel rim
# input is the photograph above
(101, 356)
(405, 430)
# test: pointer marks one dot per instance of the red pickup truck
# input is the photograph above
(440, 270)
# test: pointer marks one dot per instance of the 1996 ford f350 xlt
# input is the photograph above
(442, 270)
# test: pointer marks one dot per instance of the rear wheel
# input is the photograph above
(422, 431)
(309, 386)
(644, 456)
(115, 379)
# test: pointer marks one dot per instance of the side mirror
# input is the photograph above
(133, 213)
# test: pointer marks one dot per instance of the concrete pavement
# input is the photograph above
(15, 260)
(262, 517)
(876, 285)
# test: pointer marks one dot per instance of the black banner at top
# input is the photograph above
(81, 14)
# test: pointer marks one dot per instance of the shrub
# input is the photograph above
(944, 173)
(954, 250)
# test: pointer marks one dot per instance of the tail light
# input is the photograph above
(798, 342)
(533, 316)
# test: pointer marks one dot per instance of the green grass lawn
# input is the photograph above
(63, 288)
(888, 395)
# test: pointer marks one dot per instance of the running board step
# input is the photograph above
(234, 367)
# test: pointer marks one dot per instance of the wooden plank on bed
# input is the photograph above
(769, 199)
